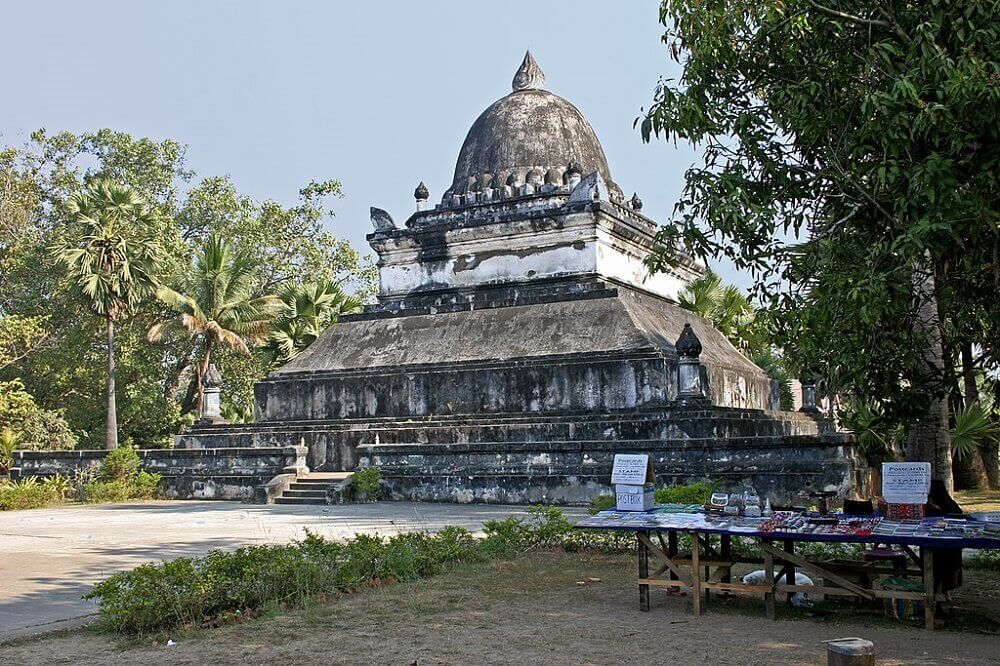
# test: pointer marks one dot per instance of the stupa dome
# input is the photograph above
(528, 131)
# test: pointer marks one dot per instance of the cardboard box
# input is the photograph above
(633, 478)
(633, 498)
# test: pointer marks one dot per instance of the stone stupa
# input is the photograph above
(519, 341)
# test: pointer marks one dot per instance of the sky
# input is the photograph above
(377, 94)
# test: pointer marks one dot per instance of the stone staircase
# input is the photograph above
(312, 488)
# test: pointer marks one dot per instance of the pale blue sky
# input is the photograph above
(378, 94)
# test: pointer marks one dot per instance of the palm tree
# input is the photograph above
(113, 263)
(728, 309)
(217, 306)
(307, 310)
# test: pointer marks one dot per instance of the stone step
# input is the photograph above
(299, 500)
(442, 420)
(298, 492)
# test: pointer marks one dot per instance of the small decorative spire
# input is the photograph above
(211, 378)
(636, 202)
(529, 76)
(688, 345)
(421, 193)
(573, 169)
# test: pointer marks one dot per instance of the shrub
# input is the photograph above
(224, 585)
(26, 493)
(988, 558)
(602, 503)
(8, 443)
(689, 493)
(59, 484)
(122, 464)
(367, 480)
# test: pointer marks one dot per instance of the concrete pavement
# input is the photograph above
(50, 557)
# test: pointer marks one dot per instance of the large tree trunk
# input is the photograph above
(928, 439)
(970, 471)
(111, 425)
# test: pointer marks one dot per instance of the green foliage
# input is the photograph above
(216, 306)
(698, 492)
(9, 441)
(27, 493)
(65, 365)
(879, 439)
(60, 484)
(110, 257)
(39, 429)
(122, 465)
(974, 427)
(985, 559)
(225, 585)
(848, 153)
(19, 336)
(307, 310)
(602, 503)
(367, 481)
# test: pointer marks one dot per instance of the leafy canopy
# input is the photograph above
(849, 150)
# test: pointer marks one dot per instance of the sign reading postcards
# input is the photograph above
(633, 478)
(906, 483)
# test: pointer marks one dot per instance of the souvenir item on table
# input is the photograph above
(751, 502)
(767, 512)
(905, 511)
(717, 503)
(733, 506)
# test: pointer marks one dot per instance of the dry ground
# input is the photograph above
(529, 610)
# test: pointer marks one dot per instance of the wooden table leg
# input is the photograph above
(769, 582)
(789, 569)
(695, 575)
(643, 573)
(672, 549)
(727, 553)
(927, 557)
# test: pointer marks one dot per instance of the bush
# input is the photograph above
(367, 481)
(602, 503)
(8, 444)
(988, 558)
(226, 585)
(27, 493)
(689, 493)
(122, 464)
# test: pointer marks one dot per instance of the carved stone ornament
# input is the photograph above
(529, 76)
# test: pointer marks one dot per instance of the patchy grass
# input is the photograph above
(978, 501)
(545, 606)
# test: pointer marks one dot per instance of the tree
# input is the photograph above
(113, 264)
(217, 307)
(850, 163)
(295, 243)
(306, 311)
(746, 327)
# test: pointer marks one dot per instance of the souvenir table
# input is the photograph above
(708, 566)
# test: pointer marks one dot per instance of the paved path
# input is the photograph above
(50, 557)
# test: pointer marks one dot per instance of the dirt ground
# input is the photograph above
(529, 610)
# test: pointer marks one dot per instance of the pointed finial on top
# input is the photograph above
(421, 193)
(529, 75)
(636, 202)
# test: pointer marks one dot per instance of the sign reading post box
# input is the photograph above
(633, 478)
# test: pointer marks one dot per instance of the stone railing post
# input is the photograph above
(211, 403)
(809, 396)
(690, 388)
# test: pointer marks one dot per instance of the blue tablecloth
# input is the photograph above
(930, 532)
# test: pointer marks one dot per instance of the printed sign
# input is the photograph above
(906, 483)
(632, 469)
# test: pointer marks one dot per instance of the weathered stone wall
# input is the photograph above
(224, 474)
(574, 472)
